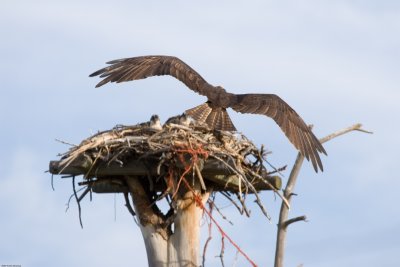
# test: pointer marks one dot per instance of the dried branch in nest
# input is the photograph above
(168, 152)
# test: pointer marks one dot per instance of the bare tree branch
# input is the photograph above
(220, 212)
(77, 200)
(293, 220)
(211, 205)
(221, 254)
(288, 193)
(355, 127)
(128, 204)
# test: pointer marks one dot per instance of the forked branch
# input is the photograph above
(288, 193)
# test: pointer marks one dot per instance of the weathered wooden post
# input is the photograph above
(183, 164)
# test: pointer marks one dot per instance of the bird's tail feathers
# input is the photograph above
(215, 117)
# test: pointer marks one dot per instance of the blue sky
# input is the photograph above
(335, 62)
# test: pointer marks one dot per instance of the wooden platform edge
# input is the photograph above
(213, 172)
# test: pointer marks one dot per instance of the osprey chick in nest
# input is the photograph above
(213, 112)
(183, 119)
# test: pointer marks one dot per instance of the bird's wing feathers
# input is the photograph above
(136, 68)
(288, 120)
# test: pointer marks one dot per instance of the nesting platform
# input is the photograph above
(222, 161)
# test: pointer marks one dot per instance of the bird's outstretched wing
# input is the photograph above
(136, 68)
(288, 120)
(293, 126)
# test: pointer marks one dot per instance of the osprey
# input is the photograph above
(155, 123)
(183, 119)
(213, 112)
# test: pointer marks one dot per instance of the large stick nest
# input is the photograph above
(221, 161)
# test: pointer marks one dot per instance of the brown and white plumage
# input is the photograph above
(213, 112)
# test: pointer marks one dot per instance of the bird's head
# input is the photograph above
(185, 119)
(155, 122)
(154, 118)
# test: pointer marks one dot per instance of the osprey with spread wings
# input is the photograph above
(213, 112)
